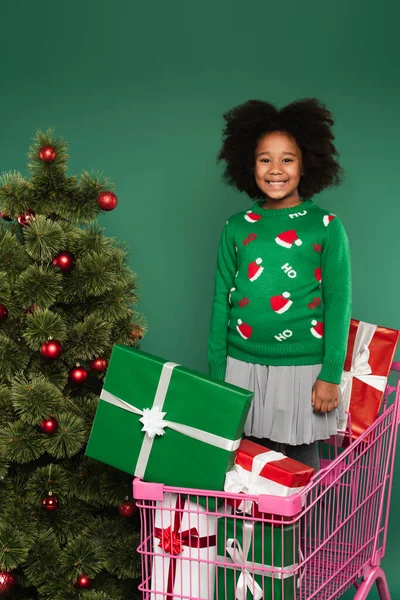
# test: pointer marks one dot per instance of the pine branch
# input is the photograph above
(43, 325)
(35, 398)
(38, 286)
(88, 339)
(81, 556)
(43, 562)
(120, 556)
(14, 546)
(14, 193)
(44, 238)
(7, 411)
(19, 443)
(14, 259)
(52, 477)
(54, 371)
(69, 438)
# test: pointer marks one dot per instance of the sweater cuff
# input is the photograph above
(218, 369)
(332, 371)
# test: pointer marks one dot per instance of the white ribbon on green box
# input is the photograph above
(154, 422)
(239, 557)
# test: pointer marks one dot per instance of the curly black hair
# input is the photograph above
(308, 121)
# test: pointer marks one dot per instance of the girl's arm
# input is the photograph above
(336, 291)
(224, 281)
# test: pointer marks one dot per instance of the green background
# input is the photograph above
(138, 89)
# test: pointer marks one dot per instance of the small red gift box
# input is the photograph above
(370, 354)
(258, 470)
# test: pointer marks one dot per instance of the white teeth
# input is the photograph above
(276, 182)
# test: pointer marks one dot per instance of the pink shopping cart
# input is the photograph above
(313, 545)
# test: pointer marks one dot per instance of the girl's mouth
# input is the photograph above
(276, 183)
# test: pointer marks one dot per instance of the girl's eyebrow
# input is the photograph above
(291, 153)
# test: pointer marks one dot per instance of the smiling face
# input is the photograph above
(278, 169)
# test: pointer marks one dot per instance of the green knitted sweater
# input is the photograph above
(282, 291)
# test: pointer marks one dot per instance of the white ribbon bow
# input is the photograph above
(154, 422)
(239, 558)
(360, 369)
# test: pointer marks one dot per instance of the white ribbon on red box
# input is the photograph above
(239, 480)
(360, 369)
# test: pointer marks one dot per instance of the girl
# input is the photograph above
(282, 300)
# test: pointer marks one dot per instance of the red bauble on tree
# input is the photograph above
(5, 217)
(25, 218)
(127, 509)
(83, 582)
(78, 375)
(137, 333)
(47, 154)
(51, 349)
(3, 312)
(98, 364)
(107, 200)
(49, 425)
(50, 502)
(7, 582)
(65, 261)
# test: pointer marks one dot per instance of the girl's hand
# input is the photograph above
(325, 396)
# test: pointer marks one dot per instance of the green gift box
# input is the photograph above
(165, 423)
(259, 559)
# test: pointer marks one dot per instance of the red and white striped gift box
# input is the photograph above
(370, 353)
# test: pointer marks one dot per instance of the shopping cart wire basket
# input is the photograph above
(313, 545)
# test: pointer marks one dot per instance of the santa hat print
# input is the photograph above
(252, 217)
(244, 330)
(288, 238)
(281, 304)
(318, 274)
(254, 269)
(327, 219)
(317, 329)
(230, 294)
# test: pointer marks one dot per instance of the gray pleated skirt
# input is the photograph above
(281, 409)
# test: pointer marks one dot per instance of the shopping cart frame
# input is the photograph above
(341, 519)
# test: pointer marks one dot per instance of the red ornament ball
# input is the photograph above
(65, 261)
(49, 425)
(137, 334)
(7, 582)
(25, 218)
(50, 502)
(98, 364)
(3, 312)
(51, 349)
(83, 582)
(127, 509)
(107, 200)
(78, 375)
(47, 154)
(5, 217)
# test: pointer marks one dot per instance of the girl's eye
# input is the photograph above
(287, 160)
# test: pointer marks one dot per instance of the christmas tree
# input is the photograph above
(68, 527)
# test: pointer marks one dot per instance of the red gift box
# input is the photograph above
(258, 470)
(369, 358)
